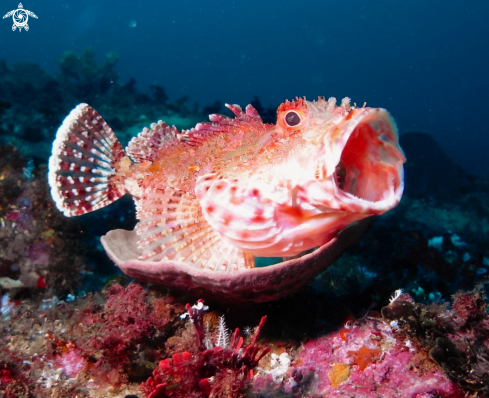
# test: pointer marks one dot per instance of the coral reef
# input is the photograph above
(410, 350)
(106, 344)
(220, 370)
(371, 360)
(35, 242)
(25, 86)
(101, 342)
(456, 335)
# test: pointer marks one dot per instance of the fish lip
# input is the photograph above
(371, 135)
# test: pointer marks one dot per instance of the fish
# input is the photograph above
(220, 195)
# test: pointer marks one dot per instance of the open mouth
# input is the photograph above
(371, 159)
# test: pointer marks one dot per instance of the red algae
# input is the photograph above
(108, 344)
(213, 372)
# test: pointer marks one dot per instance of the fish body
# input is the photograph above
(232, 189)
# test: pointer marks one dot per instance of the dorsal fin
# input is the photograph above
(248, 120)
(149, 142)
(172, 227)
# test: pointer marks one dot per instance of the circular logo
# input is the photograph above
(20, 18)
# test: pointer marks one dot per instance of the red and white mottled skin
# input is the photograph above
(212, 198)
(274, 190)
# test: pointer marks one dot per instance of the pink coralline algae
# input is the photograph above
(71, 360)
(375, 362)
(392, 371)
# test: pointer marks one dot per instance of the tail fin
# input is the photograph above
(82, 166)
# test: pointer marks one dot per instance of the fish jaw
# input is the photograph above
(362, 154)
(299, 232)
(358, 173)
(265, 224)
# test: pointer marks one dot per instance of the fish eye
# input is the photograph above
(292, 119)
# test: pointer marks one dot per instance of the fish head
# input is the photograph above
(357, 157)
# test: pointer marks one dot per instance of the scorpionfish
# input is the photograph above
(227, 191)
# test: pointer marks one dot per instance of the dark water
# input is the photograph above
(426, 62)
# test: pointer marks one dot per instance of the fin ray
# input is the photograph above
(172, 227)
(149, 142)
(249, 119)
(82, 164)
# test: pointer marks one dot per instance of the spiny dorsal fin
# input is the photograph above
(149, 142)
(245, 121)
(82, 165)
(172, 227)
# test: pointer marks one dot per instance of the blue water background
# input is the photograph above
(427, 62)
